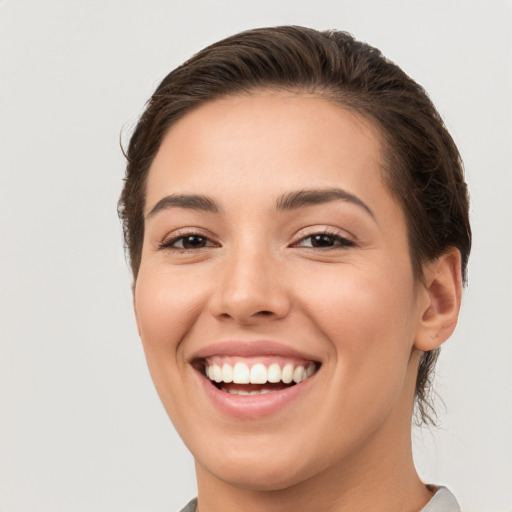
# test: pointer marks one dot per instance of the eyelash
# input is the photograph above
(337, 241)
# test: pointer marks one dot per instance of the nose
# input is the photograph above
(251, 289)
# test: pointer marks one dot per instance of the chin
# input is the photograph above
(260, 476)
(271, 467)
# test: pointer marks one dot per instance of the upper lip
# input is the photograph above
(253, 348)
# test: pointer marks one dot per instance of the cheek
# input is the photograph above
(166, 309)
(367, 322)
(360, 299)
(165, 306)
(368, 315)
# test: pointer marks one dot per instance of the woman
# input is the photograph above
(297, 223)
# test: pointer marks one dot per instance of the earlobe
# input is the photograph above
(443, 287)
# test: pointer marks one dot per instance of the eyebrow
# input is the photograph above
(302, 198)
(189, 201)
(287, 202)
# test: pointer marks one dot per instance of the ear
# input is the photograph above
(443, 289)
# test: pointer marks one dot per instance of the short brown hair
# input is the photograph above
(423, 166)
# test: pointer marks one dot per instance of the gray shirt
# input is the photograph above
(442, 501)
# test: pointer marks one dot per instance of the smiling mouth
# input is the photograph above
(254, 376)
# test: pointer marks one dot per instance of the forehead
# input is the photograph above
(269, 141)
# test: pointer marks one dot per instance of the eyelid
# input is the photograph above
(321, 229)
(327, 231)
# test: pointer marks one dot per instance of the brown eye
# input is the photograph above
(325, 241)
(322, 241)
(187, 242)
(191, 242)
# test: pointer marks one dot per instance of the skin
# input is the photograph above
(345, 445)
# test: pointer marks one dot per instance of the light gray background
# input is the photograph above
(81, 426)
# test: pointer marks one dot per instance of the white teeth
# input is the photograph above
(247, 393)
(240, 392)
(227, 373)
(217, 373)
(298, 374)
(258, 374)
(241, 374)
(287, 373)
(274, 373)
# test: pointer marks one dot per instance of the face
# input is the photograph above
(275, 299)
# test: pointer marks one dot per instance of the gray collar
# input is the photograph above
(442, 501)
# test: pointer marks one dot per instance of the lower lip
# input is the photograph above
(254, 406)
